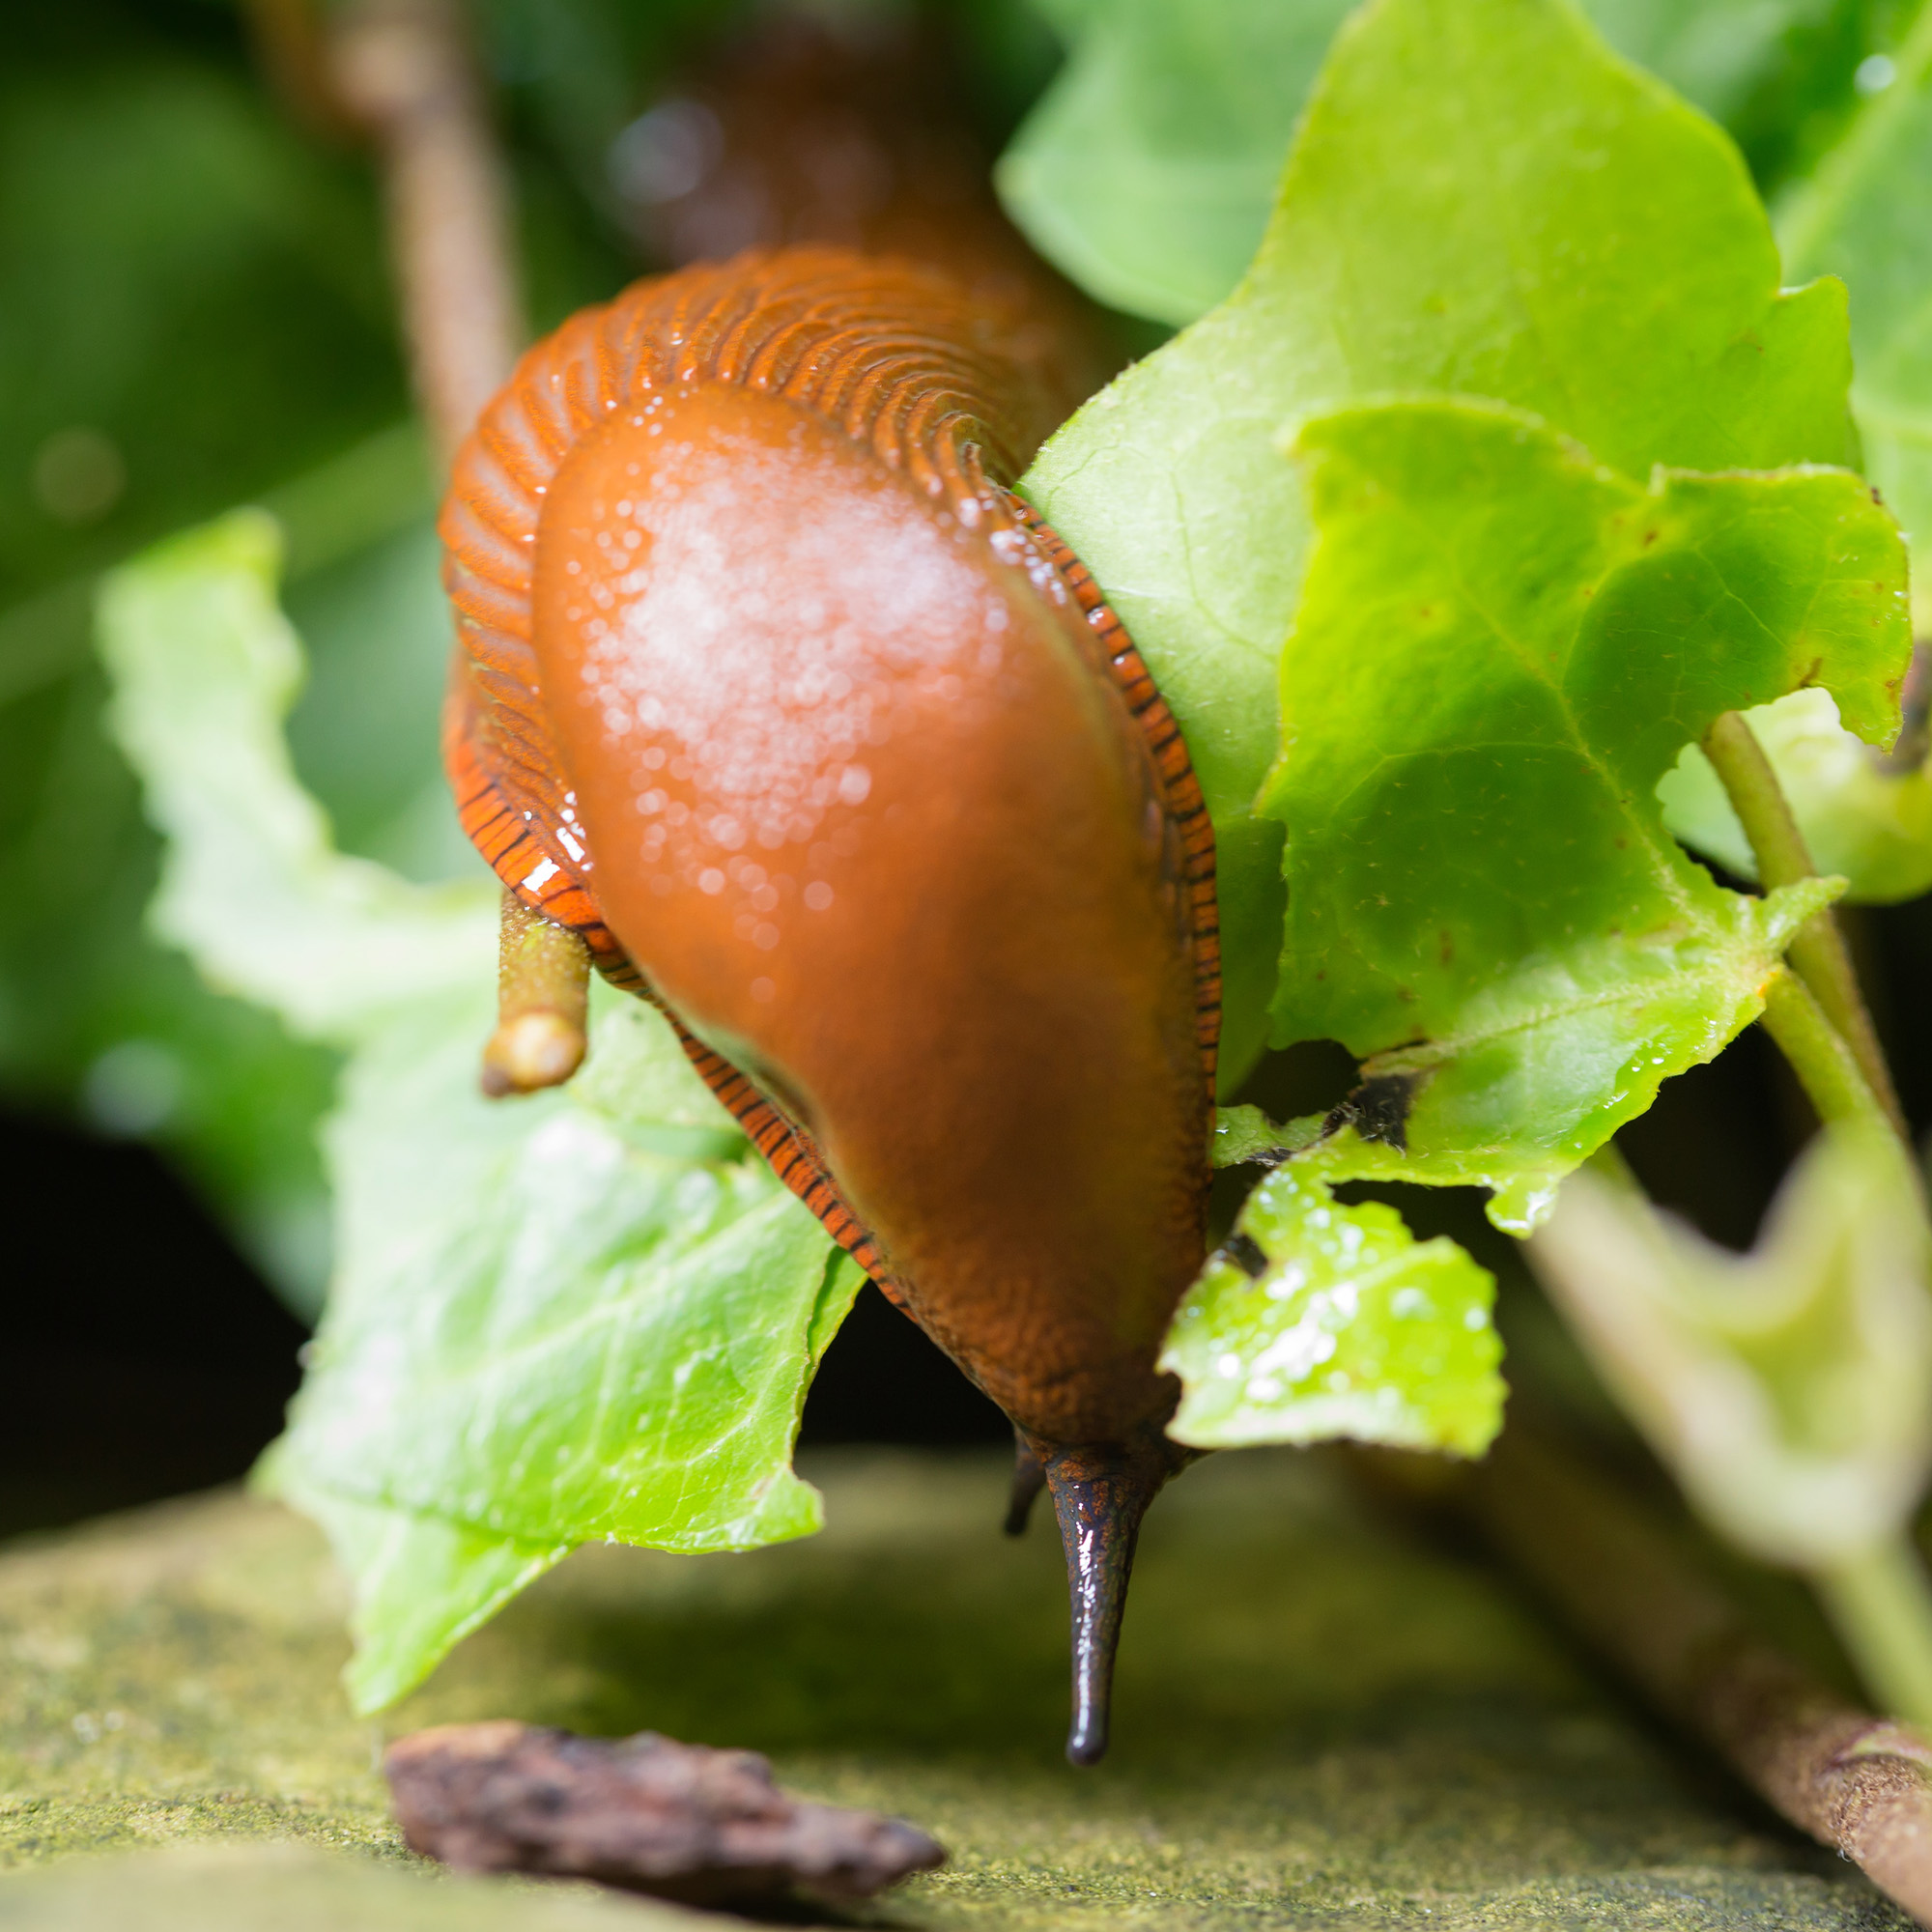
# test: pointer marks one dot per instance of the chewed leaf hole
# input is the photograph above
(1377, 1110)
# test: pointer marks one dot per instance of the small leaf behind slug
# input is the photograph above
(1319, 1321)
(1501, 645)
(1148, 169)
(1482, 199)
(585, 1314)
(205, 668)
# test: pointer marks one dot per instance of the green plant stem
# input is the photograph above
(1832, 1080)
(1881, 1603)
(1818, 954)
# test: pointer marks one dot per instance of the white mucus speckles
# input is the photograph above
(771, 663)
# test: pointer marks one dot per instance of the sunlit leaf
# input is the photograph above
(1319, 1321)
(1481, 200)
(587, 1314)
(574, 1318)
(1788, 1388)
(1862, 217)
(1500, 646)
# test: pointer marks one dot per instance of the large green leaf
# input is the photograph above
(1148, 169)
(1482, 199)
(592, 1313)
(1318, 1319)
(1862, 217)
(582, 1316)
(1501, 647)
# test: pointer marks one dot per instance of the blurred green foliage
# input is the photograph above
(195, 311)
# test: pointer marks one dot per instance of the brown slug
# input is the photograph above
(771, 689)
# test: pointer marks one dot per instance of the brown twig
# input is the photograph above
(1859, 1783)
(403, 69)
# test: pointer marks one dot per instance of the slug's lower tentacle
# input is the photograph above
(1028, 1479)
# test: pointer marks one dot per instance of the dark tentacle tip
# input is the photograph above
(1086, 1744)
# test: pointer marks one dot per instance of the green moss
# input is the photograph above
(1319, 1721)
(289, 1889)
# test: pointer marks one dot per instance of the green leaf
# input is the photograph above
(591, 1313)
(1348, 1329)
(1862, 817)
(1482, 199)
(1861, 215)
(1788, 1387)
(1501, 647)
(1148, 169)
(205, 669)
(547, 1329)
(422, 1582)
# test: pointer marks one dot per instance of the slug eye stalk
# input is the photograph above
(543, 991)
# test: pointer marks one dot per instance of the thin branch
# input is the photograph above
(1818, 953)
(1859, 1783)
(404, 69)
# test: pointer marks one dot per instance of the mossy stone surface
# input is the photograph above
(1320, 1721)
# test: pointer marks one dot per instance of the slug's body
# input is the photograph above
(768, 687)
